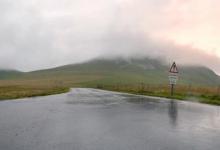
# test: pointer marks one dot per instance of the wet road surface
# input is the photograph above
(89, 119)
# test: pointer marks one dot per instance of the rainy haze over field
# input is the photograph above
(37, 34)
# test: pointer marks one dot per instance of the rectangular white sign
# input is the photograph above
(173, 79)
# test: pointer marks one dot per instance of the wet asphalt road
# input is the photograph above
(89, 119)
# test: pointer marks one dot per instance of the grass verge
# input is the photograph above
(206, 95)
(13, 89)
(14, 92)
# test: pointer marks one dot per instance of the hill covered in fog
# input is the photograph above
(120, 71)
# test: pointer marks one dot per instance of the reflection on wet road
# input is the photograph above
(173, 111)
(89, 119)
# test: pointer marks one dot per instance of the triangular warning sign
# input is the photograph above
(173, 68)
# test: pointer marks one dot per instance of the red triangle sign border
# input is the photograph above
(173, 68)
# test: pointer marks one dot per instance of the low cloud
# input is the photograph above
(39, 34)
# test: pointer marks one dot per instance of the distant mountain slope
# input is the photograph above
(131, 71)
(199, 75)
(9, 74)
(120, 71)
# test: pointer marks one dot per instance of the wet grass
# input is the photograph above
(41, 85)
(21, 93)
(210, 99)
(13, 89)
(15, 92)
(208, 95)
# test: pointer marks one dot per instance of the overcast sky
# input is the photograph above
(37, 34)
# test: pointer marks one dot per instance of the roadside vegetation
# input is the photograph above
(30, 87)
(41, 85)
(208, 95)
(20, 88)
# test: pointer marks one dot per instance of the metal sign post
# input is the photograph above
(173, 77)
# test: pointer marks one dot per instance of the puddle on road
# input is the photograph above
(95, 97)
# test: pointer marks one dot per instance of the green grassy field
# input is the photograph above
(40, 86)
(12, 89)
(29, 88)
(208, 95)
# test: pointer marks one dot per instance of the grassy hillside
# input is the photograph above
(120, 71)
(147, 76)
(10, 74)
